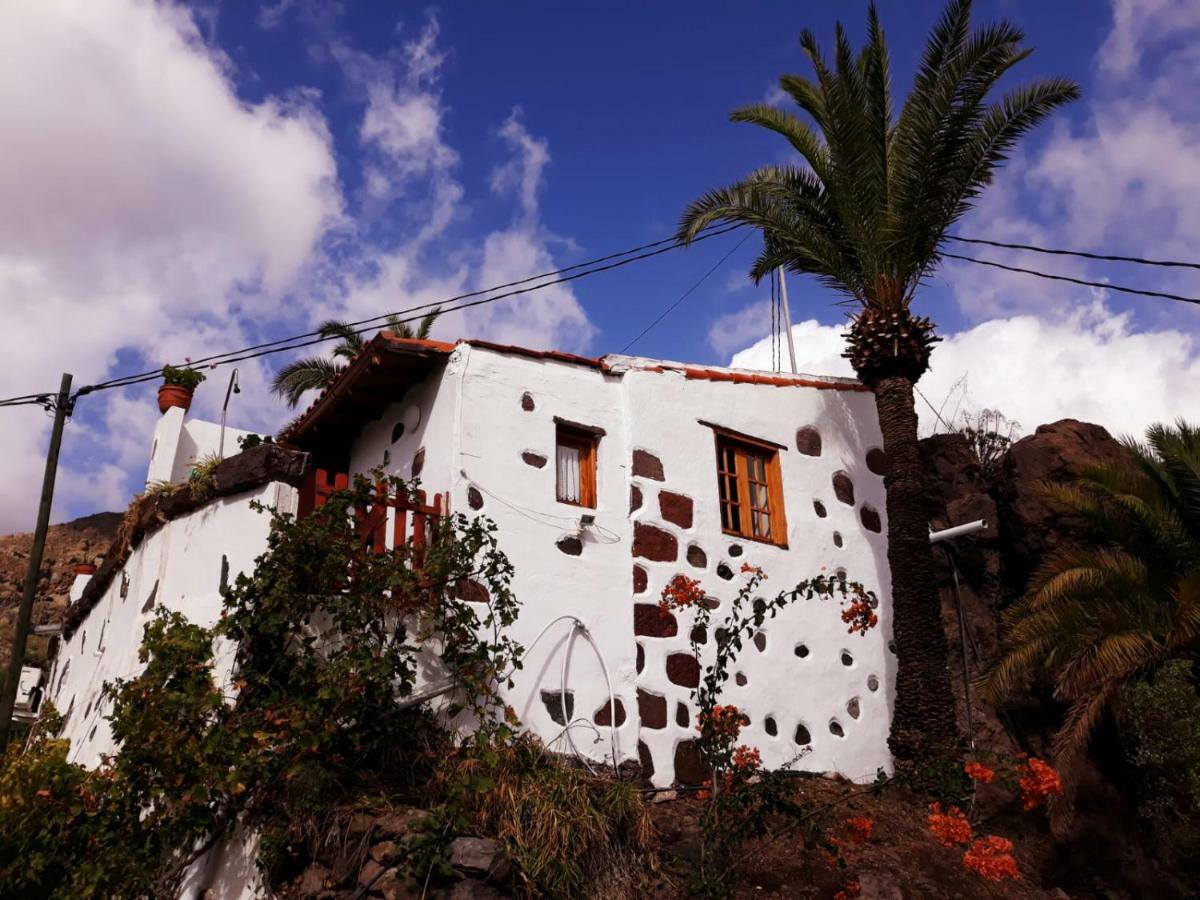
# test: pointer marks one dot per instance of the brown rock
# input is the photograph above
(649, 620)
(675, 508)
(635, 497)
(370, 873)
(697, 557)
(384, 852)
(877, 461)
(527, 402)
(647, 465)
(843, 488)
(683, 669)
(473, 592)
(474, 498)
(466, 890)
(651, 542)
(479, 857)
(1031, 525)
(808, 441)
(689, 764)
(646, 760)
(570, 545)
(652, 710)
(533, 459)
(399, 823)
(639, 580)
(870, 519)
(418, 463)
(313, 880)
(603, 715)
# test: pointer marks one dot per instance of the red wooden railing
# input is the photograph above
(415, 529)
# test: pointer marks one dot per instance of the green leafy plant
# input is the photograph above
(744, 799)
(328, 639)
(185, 377)
(249, 441)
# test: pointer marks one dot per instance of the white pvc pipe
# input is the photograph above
(787, 320)
(949, 534)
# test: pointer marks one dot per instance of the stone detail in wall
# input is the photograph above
(651, 621)
(603, 716)
(651, 542)
(760, 641)
(533, 459)
(697, 557)
(418, 463)
(870, 519)
(770, 727)
(837, 539)
(635, 498)
(819, 509)
(872, 683)
(675, 508)
(683, 669)
(740, 679)
(645, 760)
(802, 737)
(843, 488)
(473, 592)
(853, 709)
(640, 660)
(474, 498)
(647, 465)
(682, 718)
(877, 461)
(570, 545)
(689, 764)
(553, 701)
(527, 402)
(699, 634)
(808, 441)
(652, 709)
(639, 580)
(723, 571)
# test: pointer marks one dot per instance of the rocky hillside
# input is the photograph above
(72, 542)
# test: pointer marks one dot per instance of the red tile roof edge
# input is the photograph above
(555, 355)
(693, 372)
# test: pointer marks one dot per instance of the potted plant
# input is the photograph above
(177, 388)
(85, 568)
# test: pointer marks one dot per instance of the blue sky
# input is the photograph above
(184, 179)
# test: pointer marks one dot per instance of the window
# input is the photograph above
(750, 489)
(576, 466)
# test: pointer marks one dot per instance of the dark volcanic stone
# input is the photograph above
(647, 465)
(635, 498)
(650, 620)
(533, 459)
(474, 498)
(652, 710)
(683, 669)
(870, 519)
(843, 488)
(697, 557)
(675, 508)
(639, 580)
(570, 545)
(651, 542)
(808, 441)
(527, 402)
(603, 715)
(689, 764)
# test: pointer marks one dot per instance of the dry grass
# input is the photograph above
(572, 834)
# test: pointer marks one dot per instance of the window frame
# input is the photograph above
(744, 447)
(585, 440)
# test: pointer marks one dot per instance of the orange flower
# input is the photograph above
(680, 592)
(860, 829)
(1038, 781)
(991, 858)
(746, 567)
(860, 617)
(950, 827)
(746, 759)
(724, 721)
(979, 772)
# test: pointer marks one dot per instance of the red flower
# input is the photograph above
(680, 592)
(722, 722)
(746, 567)
(746, 759)
(860, 829)
(1038, 781)
(852, 889)
(979, 772)
(950, 827)
(991, 858)
(860, 617)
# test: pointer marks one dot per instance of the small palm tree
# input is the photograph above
(867, 212)
(1098, 615)
(315, 372)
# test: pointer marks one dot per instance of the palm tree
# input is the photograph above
(315, 372)
(1098, 615)
(867, 213)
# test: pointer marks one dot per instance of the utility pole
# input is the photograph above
(8, 700)
(787, 320)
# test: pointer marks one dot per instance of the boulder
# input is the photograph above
(1030, 524)
(479, 858)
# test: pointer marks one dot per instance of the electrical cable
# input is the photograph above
(666, 312)
(1096, 284)
(374, 321)
(1105, 257)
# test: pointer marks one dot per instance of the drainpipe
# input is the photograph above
(787, 320)
(942, 537)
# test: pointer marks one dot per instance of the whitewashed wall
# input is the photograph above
(485, 418)
(180, 565)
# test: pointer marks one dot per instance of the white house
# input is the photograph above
(606, 477)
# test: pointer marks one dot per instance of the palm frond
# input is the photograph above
(311, 373)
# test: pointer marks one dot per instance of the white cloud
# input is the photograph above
(1137, 23)
(1089, 364)
(145, 204)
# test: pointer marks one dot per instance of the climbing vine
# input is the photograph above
(326, 639)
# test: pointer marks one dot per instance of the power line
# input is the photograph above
(296, 342)
(1105, 257)
(1080, 281)
(666, 312)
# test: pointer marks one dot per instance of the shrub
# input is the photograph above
(1160, 723)
(185, 377)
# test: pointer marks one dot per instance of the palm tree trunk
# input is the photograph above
(924, 729)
